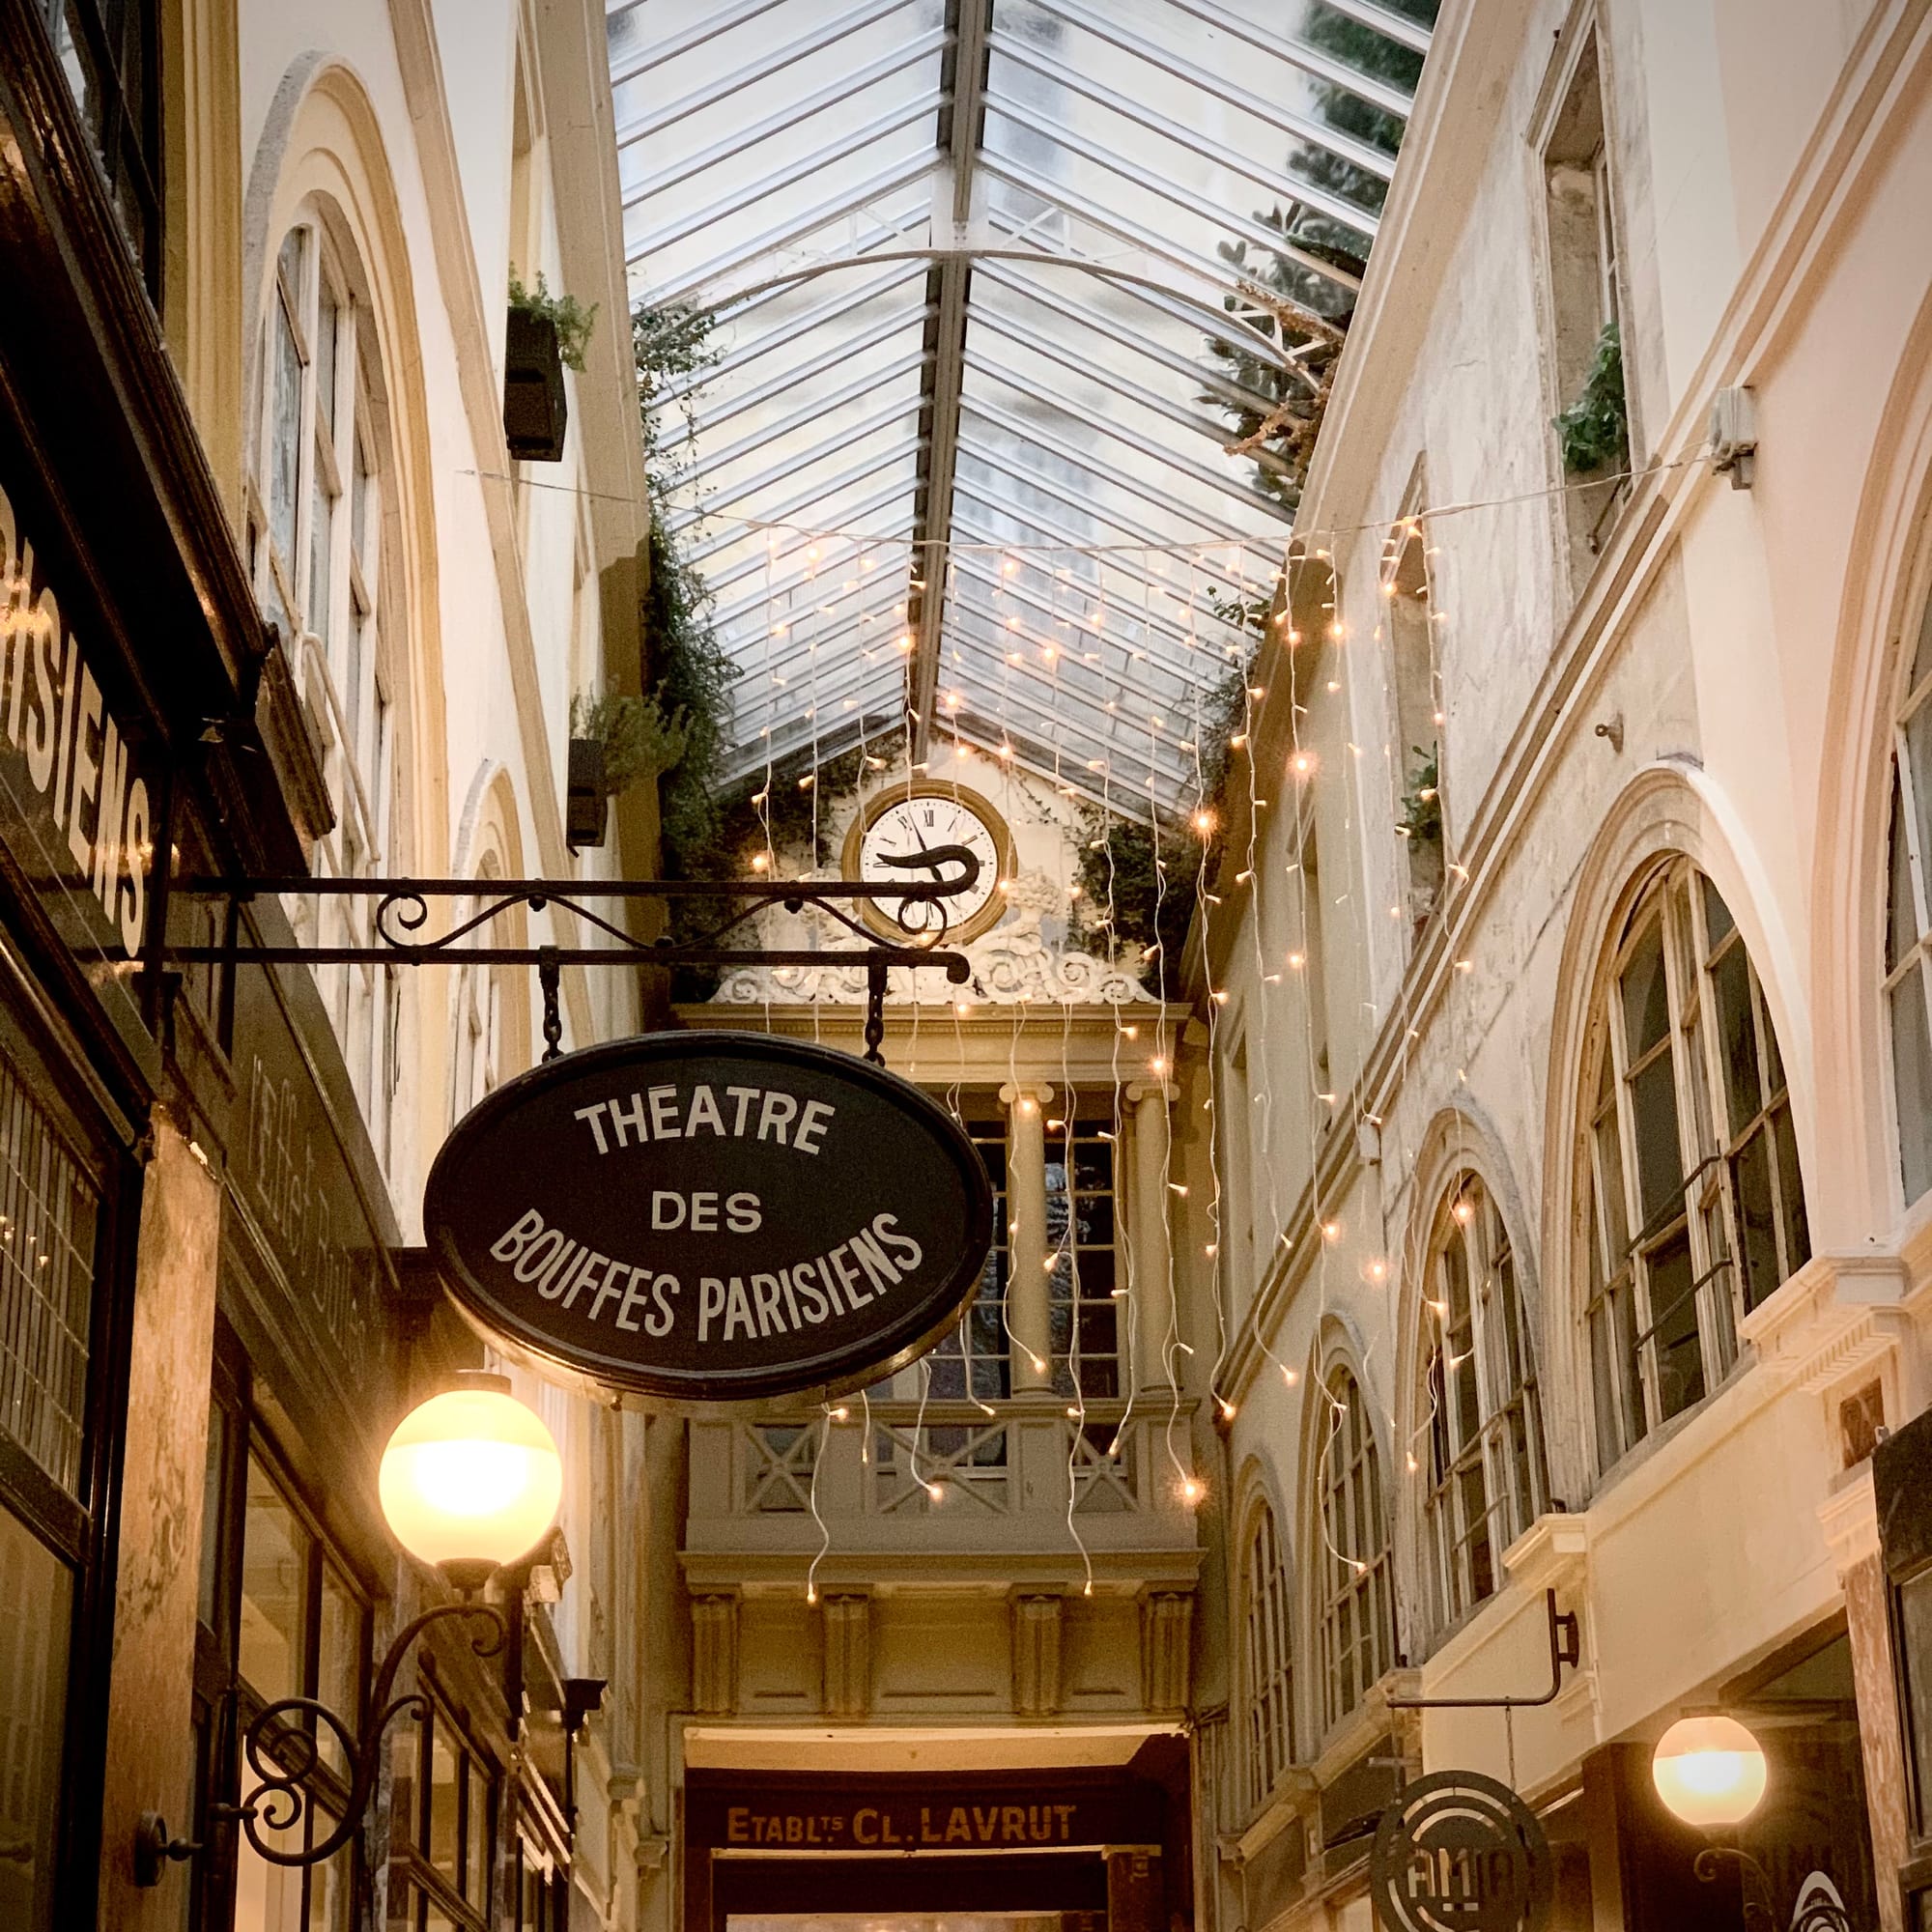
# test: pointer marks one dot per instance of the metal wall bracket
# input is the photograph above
(917, 906)
(1566, 1647)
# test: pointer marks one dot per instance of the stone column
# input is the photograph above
(1027, 1301)
(150, 1706)
(1153, 1256)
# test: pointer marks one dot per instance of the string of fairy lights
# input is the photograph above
(1050, 672)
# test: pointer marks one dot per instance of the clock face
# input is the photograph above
(903, 827)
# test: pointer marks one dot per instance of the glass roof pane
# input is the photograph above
(999, 407)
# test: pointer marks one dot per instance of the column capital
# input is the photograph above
(1138, 1091)
(1040, 1091)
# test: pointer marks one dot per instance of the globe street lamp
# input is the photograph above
(469, 1483)
(1711, 1773)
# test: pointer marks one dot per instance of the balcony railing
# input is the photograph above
(953, 1476)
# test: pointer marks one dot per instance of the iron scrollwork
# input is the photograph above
(283, 1751)
(916, 906)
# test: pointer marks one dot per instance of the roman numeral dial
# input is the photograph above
(900, 824)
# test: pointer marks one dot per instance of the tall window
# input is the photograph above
(973, 1361)
(1908, 952)
(1485, 1426)
(1084, 1312)
(109, 51)
(1268, 1659)
(443, 1823)
(315, 529)
(1695, 1206)
(1417, 755)
(1357, 1610)
(280, 1617)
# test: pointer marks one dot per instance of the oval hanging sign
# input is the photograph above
(712, 1217)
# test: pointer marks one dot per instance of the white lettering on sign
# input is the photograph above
(749, 1113)
(811, 1292)
(52, 712)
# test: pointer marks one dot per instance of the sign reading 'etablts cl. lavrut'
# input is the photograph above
(712, 1216)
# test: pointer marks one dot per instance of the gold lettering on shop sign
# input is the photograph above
(880, 1828)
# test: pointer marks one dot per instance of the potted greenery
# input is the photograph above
(546, 335)
(1594, 432)
(615, 742)
(1421, 826)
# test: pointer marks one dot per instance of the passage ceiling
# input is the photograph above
(960, 459)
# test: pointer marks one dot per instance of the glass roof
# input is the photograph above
(963, 457)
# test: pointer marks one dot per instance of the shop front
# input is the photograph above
(1086, 1850)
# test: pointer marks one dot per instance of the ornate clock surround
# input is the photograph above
(875, 914)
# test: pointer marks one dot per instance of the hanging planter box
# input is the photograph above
(587, 797)
(535, 411)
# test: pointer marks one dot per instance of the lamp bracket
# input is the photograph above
(1566, 1647)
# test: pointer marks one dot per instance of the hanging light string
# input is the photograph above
(1327, 533)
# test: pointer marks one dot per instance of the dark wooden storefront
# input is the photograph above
(1107, 1850)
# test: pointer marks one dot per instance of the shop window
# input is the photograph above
(441, 1826)
(1269, 1658)
(971, 1363)
(1083, 1309)
(280, 1618)
(1357, 1604)
(109, 52)
(1481, 1411)
(52, 1222)
(316, 516)
(1908, 952)
(1694, 1204)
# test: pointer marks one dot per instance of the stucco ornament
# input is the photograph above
(1024, 959)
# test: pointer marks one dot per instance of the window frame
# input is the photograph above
(1355, 1589)
(412, 1858)
(1070, 1296)
(340, 638)
(1514, 1490)
(1909, 818)
(246, 1443)
(1268, 1657)
(1700, 1213)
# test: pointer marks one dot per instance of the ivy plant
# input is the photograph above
(1421, 817)
(1594, 432)
(639, 739)
(572, 320)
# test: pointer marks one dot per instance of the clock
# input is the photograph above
(905, 820)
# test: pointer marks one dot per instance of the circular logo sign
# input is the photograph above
(1459, 1851)
(712, 1217)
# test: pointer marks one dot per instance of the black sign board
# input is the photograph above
(712, 1217)
(1459, 1852)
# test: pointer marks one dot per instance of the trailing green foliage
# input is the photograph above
(1421, 817)
(1303, 310)
(1594, 432)
(1149, 874)
(639, 740)
(572, 320)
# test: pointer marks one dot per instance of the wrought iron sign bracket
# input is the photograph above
(1566, 1647)
(916, 906)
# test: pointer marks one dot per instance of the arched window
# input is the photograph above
(1486, 1479)
(1695, 1206)
(1268, 1657)
(1357, 1610)
(316, 546)
(1908, 927)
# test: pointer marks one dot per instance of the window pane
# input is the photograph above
(1603, 1360)
(212, 1487)
(321, 562)
(1646, 994)
(339, 1658)
(405, 1765)
(1737, 1038)
(1718, 924)
(360, 507)
(273, 1592)
(477, 1839)
(1901, 924)
(1660, 1161)
(47, 1215)
(1791, 1190)
(330, 1893)
(285, 439)
(1676, 1353)
(327, 318)
(36, 1608)
(444, 1768)
(402, 1913)
(1757, 1231)
(1911, 1081)
(1915, 1629)
(268, 1897)
(1919, 751)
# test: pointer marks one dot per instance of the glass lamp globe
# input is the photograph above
(471, 1480)
(1710, 1771)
